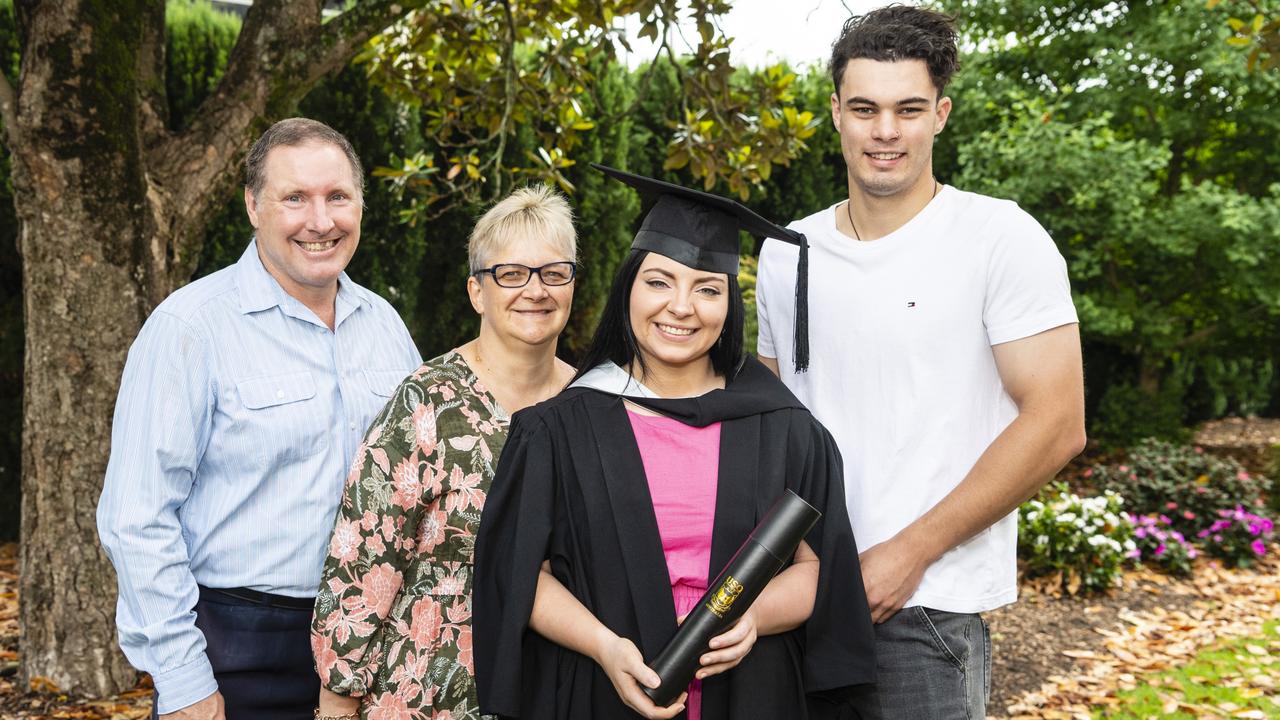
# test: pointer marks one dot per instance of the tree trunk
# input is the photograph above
(112, 210)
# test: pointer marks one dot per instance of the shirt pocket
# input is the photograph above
(281, 412)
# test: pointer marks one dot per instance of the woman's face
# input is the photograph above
(677, 314)
(533, 314)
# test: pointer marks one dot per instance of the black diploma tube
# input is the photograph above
(767, 549)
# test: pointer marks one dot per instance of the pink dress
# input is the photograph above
(682, 464)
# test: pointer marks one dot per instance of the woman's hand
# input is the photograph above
(622, 662)
(729, 647)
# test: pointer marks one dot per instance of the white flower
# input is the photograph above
(1067, 518)
(1042, 540)
(1031, 516)
(1098, 540)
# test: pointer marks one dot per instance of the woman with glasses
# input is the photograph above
(392, 628)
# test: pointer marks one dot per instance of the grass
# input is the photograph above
(1237, 679)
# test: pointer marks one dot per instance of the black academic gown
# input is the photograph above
(570, 487)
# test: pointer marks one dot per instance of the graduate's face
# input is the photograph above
(677, 313)
(534, 314)
(887, 114)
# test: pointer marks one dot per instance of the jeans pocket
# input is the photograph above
(937, 624)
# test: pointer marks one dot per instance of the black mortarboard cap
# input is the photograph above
(700, 230)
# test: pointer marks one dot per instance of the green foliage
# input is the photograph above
(1082, 541)
(1237, 536)
(747, 273)
(1182, 482)
(1256, 30)
(487, 76)
(198, 41)
(1161, 545)
(1135, 134)
(1125, 415)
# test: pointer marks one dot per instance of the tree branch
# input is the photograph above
(283, 50)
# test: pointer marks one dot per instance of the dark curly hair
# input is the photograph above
(899, 32)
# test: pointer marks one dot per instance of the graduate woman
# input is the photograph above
(616, 501)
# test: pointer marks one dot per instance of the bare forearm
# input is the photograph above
(1012, 469)
(787, 601)
(561, 618)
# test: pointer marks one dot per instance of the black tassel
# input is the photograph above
(801, 337)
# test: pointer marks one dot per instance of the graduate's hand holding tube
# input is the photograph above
(624, 665)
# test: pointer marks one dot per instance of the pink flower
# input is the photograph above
(1171, 505)
(431, 530)
(1242, 475)
(424, 428)
(407, 483)
(1088, 472)
(1259, 548)
(344, 546)
(326, 657)
(426, 619)
(1189, 515)
(1124, 468)
(380, 586)
(389, 706)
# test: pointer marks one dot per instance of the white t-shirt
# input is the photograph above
(901, 370)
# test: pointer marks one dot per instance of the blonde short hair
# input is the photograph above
(536, 212)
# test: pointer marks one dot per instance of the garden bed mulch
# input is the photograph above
(1057, 658)
(1054, 656)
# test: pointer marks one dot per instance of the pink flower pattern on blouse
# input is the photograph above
(392, 622)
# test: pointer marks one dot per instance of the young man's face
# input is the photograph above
(887, 114)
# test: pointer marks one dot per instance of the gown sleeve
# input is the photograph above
(515, 530)
(838, 637)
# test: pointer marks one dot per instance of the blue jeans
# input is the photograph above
(933, 665)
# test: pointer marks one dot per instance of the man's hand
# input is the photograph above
(622, 662)
(891, 572)
(209, 708)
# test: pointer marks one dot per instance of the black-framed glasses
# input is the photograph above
(515, 275)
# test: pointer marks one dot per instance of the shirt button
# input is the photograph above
(279, 394)
(352, 426)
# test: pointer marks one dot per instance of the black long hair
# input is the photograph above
(614, 340)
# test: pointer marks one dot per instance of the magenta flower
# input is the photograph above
(1259, 548)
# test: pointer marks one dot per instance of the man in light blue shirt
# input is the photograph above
(243, 399)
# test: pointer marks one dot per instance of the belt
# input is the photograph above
(257, 597)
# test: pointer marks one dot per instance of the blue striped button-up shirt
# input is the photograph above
(238, 413)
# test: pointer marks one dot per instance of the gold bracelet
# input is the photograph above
(348, 716)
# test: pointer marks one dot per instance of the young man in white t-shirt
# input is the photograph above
(944, 358)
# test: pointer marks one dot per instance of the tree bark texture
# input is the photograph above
(112, 209)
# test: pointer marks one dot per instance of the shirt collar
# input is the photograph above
(259, 291)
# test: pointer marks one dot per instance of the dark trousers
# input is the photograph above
(261, 657)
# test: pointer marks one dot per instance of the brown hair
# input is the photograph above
(292, 132)
(898, 32)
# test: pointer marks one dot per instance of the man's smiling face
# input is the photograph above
(887, 114)
(307, 217)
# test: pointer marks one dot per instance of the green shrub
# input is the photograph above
(1159, 544)
(1081, 540)
(1237, 536)
(1183, 482)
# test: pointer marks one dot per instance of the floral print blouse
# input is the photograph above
(393, 615)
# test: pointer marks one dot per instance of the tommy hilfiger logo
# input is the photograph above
(911, 303)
